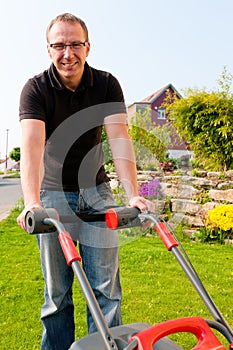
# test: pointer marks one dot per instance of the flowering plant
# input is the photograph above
(219, 224)
(221, 217)
(151, 189)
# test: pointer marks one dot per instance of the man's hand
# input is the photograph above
(21, 217)
(142, 203)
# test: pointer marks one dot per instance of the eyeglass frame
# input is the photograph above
(78, 44)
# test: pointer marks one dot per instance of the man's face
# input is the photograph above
(68, 61)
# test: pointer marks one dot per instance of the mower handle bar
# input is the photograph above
(115, 217)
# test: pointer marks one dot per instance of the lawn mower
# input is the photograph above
(138, 336)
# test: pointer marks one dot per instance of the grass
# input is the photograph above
(155, 288)
(11, 174)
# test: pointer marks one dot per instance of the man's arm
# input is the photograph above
(31, 164)
(124, 160)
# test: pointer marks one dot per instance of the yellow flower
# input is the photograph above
(221, 217)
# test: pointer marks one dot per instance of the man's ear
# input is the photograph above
(49, 50)
(88, 48)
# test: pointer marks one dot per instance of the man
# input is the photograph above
(62, 111)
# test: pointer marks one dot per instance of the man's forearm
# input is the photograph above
(31, 175)
(32, 150)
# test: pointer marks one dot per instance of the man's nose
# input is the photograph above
(68, 51)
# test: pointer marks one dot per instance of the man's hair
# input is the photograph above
(67, 17)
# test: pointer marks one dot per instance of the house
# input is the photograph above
(158, 115)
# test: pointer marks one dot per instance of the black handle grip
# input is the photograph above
(34, 220)
(92, 215)
(125, 214)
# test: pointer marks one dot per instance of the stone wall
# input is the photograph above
(190, 197)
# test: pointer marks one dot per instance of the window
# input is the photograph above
(161, 113)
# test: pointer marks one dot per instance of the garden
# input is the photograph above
(155, 288)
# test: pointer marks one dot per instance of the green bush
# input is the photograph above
(204, 119)
(206, 235)
(150, 141)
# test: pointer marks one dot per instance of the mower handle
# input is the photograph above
(115, 217)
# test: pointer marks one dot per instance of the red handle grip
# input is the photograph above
(195, 325)
(168, 240)
(68, 247)
(122, 217)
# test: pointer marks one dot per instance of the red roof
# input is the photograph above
(157, 93)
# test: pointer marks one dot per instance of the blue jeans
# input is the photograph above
(99, 251)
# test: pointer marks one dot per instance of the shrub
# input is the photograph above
(204, 119)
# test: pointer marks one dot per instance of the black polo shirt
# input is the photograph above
(73, 120)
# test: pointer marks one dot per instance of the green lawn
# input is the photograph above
(155, 288)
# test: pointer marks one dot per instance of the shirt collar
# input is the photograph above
(87, 78)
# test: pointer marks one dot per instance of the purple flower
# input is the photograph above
(150, 189)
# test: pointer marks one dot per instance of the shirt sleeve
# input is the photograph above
(115, 95)
(31, 102)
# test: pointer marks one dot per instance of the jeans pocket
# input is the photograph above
(105, 192)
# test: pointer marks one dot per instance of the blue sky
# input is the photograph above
(145, 44)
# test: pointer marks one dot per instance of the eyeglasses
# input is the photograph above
(62, 47)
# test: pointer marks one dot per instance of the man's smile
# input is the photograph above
(69, 64)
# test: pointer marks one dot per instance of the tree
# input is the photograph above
(205, 120)
(108, 159)
(15, 154)
(150, 141)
